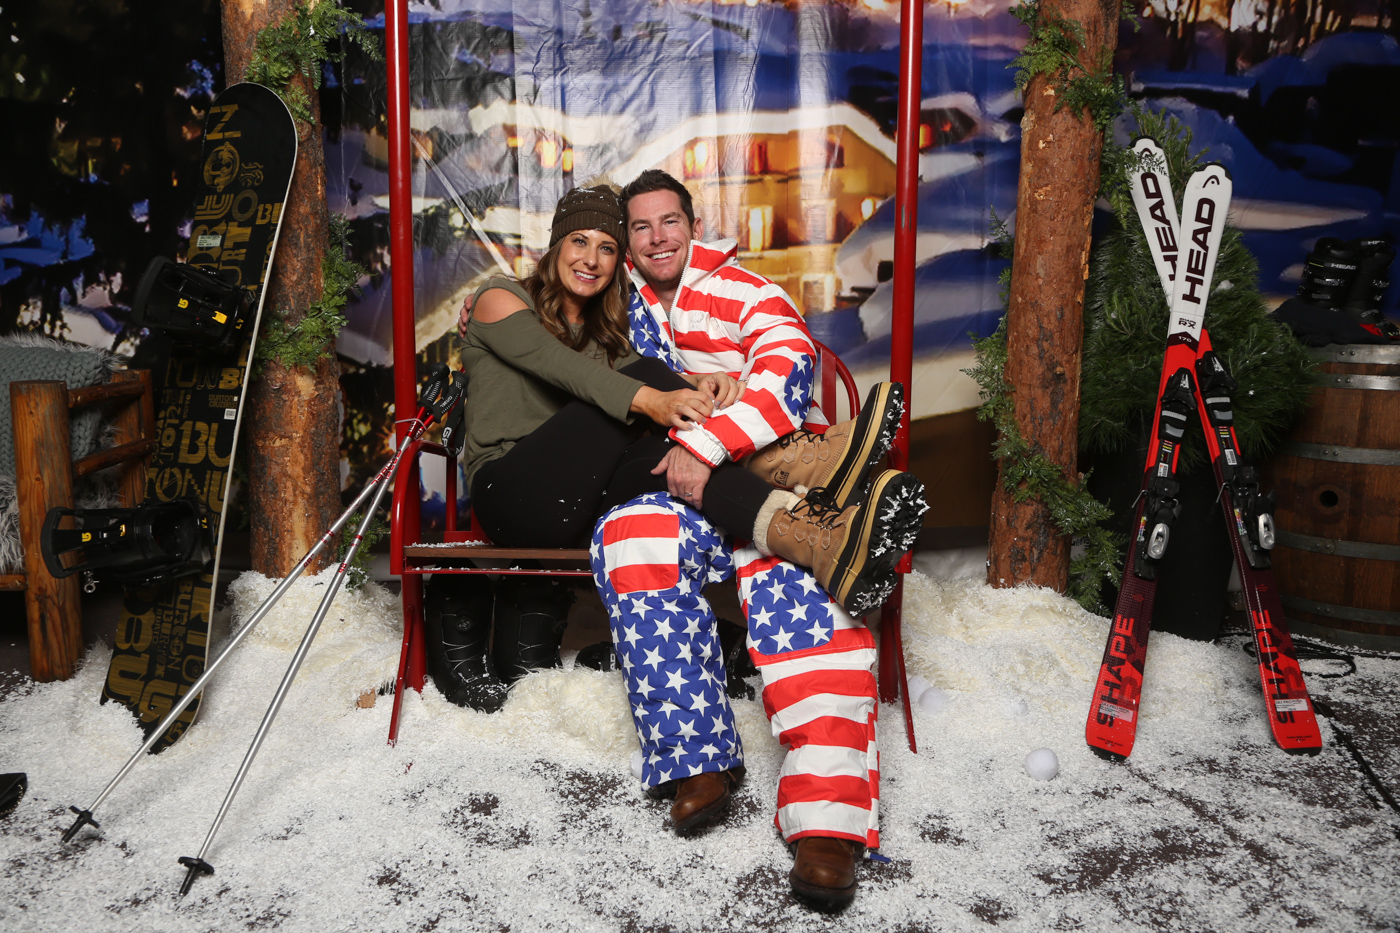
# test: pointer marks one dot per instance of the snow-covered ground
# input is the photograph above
(530, 819)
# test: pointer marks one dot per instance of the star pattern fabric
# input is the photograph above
(665, 635)
(784, 610)
(649, 336)
(816, 662)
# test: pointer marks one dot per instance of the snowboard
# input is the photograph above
(162, 639)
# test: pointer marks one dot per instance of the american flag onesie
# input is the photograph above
(651, 558)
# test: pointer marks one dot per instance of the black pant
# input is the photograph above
(554, 484)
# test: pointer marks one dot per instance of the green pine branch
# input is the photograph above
(300, 43)
(302, 344)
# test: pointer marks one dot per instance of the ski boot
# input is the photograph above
(1367, 289)
(457, 623)
(1329, 272)
(12, 788)
(530, 617)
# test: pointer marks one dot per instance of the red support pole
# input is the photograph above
(906, 226)
(400, 212)
(401, 269)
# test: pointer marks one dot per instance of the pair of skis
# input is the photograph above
(1194, 379)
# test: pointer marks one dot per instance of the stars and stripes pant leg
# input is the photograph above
(651, 558)
(819, 693)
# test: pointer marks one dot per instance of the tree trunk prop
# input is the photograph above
(1055, 195)
(294, 458)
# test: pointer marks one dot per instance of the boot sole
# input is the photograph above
(888, 525)
(826, 898)
(872, 436)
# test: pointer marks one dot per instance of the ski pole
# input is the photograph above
(196, 865)
(439, 380)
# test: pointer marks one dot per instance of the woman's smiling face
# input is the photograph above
(587, 262)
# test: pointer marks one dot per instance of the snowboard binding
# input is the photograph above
(153, 543)
(190, 304)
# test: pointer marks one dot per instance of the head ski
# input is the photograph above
(1193, 378)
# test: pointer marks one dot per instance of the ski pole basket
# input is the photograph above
(152, 543)
(190, 304)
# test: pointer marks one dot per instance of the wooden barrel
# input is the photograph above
(1337, 561)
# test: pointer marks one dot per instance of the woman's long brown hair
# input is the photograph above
(604, 316)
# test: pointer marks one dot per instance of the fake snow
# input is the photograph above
(531, 819)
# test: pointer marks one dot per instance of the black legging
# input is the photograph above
(555, 483)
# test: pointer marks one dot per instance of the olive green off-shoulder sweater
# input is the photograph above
(520, 376)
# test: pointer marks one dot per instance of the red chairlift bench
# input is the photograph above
(413, 553)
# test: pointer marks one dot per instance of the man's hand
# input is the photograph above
(722, 387)
(686, 475)
(464, 316)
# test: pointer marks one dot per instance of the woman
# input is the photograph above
(563, 422)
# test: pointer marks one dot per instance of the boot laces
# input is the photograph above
(819, 505)
(787, 440)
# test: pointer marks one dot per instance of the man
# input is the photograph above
(698, 310)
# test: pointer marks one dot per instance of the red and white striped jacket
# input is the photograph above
(727, 319)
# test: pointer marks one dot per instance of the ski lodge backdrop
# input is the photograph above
(780, 119)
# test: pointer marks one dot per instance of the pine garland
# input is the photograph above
(1053, 48)
(313, 337)
(1028, 474)
(299, 44)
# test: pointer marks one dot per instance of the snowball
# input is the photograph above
(917, 685)
(637, 764)
(1042, 764)
(932, 700)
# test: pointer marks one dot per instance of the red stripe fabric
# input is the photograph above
(779, 695)
(804, 788)
(828, 730)
(637, 577)
(646, 525)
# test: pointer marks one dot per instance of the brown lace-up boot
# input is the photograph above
(851, 551)
(840, 459)
(824, 870)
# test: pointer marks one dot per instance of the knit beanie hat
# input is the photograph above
(588, 209)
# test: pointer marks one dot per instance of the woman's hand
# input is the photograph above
(722, 387)
(682, 409)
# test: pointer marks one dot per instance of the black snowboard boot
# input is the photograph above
(1329, 273)
(530, 617)
(457, 620)
(1367, 290)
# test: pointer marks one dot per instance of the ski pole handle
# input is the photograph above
(439, 376)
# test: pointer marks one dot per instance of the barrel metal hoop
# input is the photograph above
(1349, 613)
(1353, 381)
(1372, 455)
(1362, 549)
(1360, 353)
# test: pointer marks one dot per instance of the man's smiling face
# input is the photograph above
(658, 238)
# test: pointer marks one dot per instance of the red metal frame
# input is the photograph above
(410, 559)
(893, 682)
